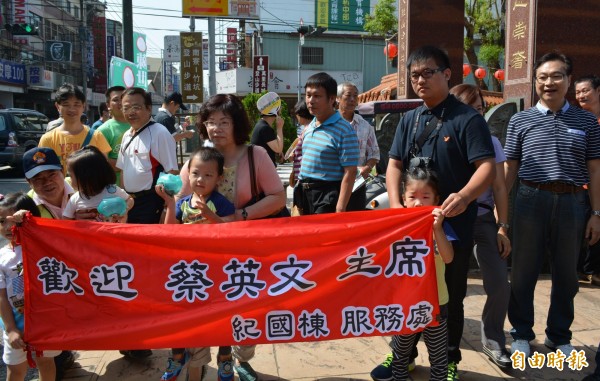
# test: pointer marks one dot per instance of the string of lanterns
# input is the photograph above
(480, 73)
(391, 51)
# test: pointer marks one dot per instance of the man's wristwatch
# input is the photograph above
(595, 212)
(503, 225)
(244, 214)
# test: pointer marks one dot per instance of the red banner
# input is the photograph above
(102, 286)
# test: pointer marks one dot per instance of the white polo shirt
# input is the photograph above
(152, 147)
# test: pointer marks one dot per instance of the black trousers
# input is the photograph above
(358, 200)
(319, 197)
(147, 209)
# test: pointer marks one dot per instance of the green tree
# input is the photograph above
(484, 23)
(289, 129)
(383, 21)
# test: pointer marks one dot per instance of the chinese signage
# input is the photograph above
(260, 74)
(251, 282)
(172, 51)
(58, 51)
(403, 47)
(342, 14)
(139, 58)
(37, 76)
(239, 9)
(232, 47)
(99, 33)
(124, 73)
(20, 15)
(191, 67)
(12, 72)
(520, 50)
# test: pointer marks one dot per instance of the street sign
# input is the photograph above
(342, 14)
(191, 67)
(139, 58)
(239, 9)
(260, 74)
(124, 73)
(172, 52)
(58, 51)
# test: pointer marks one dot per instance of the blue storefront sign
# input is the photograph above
(12, 72)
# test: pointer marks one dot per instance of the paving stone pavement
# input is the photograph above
(352, 359)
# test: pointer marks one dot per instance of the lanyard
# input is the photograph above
(418, 142)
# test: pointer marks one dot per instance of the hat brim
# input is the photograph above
(41, 168)
(183, 107)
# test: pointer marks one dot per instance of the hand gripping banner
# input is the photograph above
(102, 286)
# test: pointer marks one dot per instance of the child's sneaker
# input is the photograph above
(225, 370)
(383, 371)
(174, 367)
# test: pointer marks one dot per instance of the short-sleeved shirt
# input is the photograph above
(65, 144)
(97, 124)
(328, 148)
(186, 214)
(487, 197)
(367, 142)
(263, 134)
(80, 202)
(11, 279)
(149, 150)
(553, 146)
(113, 131)
(462, 139)
(164, 117)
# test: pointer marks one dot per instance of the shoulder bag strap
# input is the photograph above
(252, 172)
(136, 134)
(88, 138)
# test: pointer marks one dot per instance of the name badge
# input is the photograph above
(574, 131)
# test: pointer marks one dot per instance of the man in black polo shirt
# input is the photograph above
(455, 142)
(554, 149)
(166, 116)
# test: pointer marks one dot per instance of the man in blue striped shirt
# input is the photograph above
(329, 151)
(554, 150)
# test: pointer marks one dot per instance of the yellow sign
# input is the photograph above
(205, 8)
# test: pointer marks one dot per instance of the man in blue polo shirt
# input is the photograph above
(329, 151)
(554, 149)
(453, 139)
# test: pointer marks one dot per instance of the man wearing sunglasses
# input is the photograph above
(452, 139)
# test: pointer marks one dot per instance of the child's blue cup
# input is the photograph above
(172, 183)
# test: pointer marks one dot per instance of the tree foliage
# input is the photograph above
(384, 20)
(484, 26)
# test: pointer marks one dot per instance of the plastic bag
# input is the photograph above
(171, 183)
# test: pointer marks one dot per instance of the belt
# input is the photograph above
(317, 184)
(141, 193)
(554, 186)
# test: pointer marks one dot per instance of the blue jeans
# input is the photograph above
(553, 224)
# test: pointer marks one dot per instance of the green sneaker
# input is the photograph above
(452, 371)
(383, 371)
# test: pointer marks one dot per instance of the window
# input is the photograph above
(68, 7)
(2, 123)
(76, 11)
(312, 56)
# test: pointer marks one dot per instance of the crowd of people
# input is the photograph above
(442, 155)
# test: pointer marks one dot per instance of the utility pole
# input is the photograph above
(212, 80)
(127, 30)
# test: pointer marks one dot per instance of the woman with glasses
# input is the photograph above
(224, 121)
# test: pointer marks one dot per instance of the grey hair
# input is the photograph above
(340, 88)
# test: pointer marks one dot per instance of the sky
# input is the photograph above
(158, 18)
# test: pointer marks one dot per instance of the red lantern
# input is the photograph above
(480, 73)
(499, 75)
(466, 69)
(390, 51)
